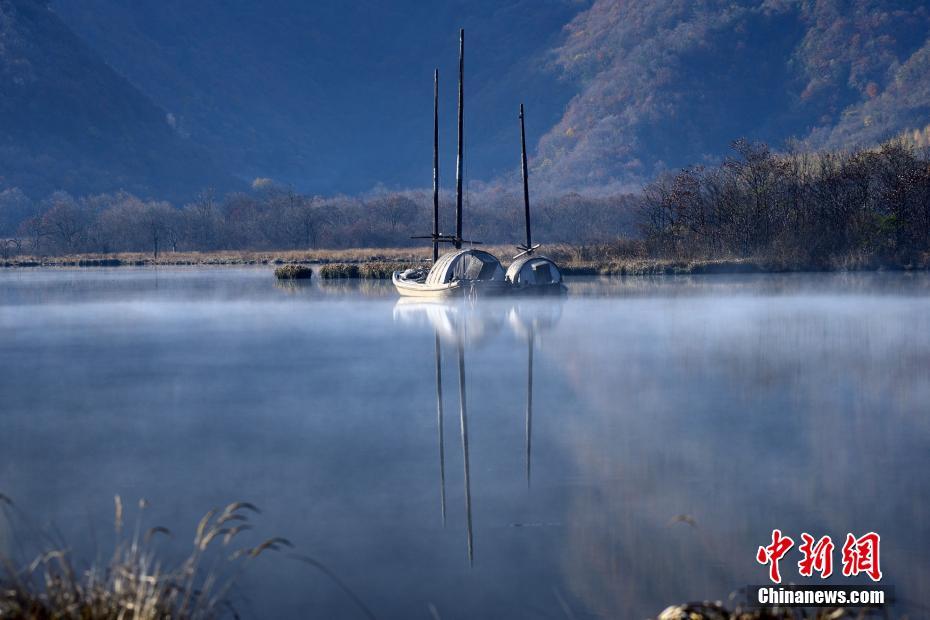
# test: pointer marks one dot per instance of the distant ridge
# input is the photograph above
(69, 122)
(333, 98)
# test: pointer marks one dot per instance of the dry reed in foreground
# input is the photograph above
(138, 584)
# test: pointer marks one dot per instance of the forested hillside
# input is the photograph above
(672, 83)
(336, 97)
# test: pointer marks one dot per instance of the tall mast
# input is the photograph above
(527, 248)
(458, 162)
(526, 181)
(436, 166)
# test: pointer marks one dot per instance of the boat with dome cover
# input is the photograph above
(530, 272)
(463, 270)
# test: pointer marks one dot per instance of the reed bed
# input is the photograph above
(334, 271)
(381, 270)
(622, 257)
(373, 270)
(221, 257)
(293, 272)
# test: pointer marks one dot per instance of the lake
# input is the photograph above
(674, 423)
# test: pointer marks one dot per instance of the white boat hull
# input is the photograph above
(448, 289)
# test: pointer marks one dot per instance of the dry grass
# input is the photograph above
(380, 270)
(375, 270)
(334, 271)
(624, 257)
(283, 257)
(137, 583)
(293, 272)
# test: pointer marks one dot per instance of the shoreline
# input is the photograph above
(379, 263)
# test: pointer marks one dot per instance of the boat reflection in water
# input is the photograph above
(462, 324)
(526, 319)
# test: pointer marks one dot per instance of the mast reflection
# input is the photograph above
(463, 425)
(525, 320)
(530, 343)
(439, 426)
(461, 323)
(457, 323)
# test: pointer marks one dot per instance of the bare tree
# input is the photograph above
(203, 221)
(35, 231)
(159, 220)
(65, 221)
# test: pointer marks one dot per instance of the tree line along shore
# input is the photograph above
(757, 211)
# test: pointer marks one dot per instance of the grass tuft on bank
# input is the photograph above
(138, 582)
(373, 270)
(293, 272)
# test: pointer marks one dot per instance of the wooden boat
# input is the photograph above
(459, 272)
(529, 272)
(463, 270)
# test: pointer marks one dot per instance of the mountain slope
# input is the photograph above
(336, 96)
(667, 84)
(68, 121)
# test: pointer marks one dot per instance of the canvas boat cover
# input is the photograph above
(533, 271)
(466, 265)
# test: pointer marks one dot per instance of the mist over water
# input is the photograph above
(744, 403)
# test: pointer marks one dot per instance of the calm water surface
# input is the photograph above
(747, 403)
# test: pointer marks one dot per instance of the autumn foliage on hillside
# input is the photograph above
(664, 84)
